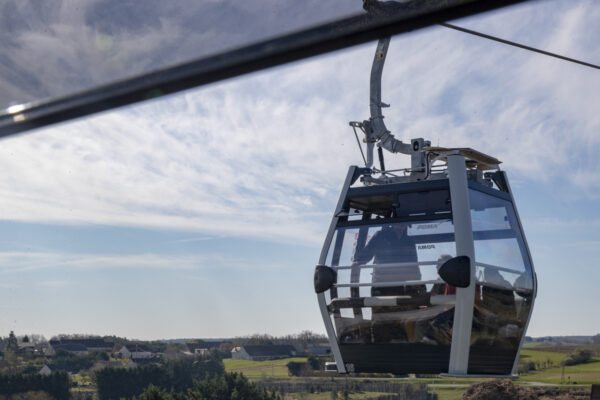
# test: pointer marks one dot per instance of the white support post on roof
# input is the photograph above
(463, 233)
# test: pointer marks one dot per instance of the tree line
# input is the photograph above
(303, 339)
(229, 386)
(175, 376)
(56, 384)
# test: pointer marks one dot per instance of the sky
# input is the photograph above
(202, 214)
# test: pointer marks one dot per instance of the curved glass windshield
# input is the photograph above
(504, 291)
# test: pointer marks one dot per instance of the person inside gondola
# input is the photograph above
(439, 329)
(524, 291)
(498, 295)
(392, 245)
(497, 310)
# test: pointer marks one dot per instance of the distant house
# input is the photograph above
(320, 349)
(212, 344)
(47, 369)
(196, 349)
(77, 346)
(89, 344)
(49, 351)
(71, 348)
(202, 352)
(135, 351)
(263, 352)
(26, 348)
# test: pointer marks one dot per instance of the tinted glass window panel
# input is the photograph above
(383, 261)
(503, 295)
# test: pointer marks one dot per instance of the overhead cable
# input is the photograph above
(522, 46)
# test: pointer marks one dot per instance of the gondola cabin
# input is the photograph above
(427, 273)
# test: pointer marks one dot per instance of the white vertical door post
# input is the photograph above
(335, 347)
(463, 233)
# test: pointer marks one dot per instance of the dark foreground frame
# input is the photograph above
(306, 43)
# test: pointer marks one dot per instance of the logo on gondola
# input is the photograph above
(427, 226)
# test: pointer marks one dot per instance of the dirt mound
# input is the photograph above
(504, 389)
(498, 389)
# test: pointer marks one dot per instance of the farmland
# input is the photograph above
(549, 370)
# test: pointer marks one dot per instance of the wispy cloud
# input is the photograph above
(99, 41)
(17, 262)
(564, 224)
(55, 284)
(194, 239)
(26, 261)
(264, 155)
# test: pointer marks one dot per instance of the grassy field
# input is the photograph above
(542, 356)
(583, 373)
(260, 369)
(586, 373)
(448, 393)
(532, 345)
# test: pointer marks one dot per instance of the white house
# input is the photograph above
(49, 351)
(45, 370)
(135, 351)
(196, 349)
(202, 352)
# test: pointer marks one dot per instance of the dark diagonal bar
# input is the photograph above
(385, 21)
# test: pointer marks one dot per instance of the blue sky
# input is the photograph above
(202, 214)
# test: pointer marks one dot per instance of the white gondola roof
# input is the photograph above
(474, 158)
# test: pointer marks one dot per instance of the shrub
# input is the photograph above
(55, 384)
(315, 363)
(176, 375)
(579, 356)
(229, 386)
(296, 368)
(525, 366)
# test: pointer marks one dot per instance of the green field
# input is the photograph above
(582, 374)
(585, 373)
(542, 356)
(261, 369)
(448, 393)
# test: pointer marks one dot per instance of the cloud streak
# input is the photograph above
(99, 41)
(264, 155)
(19, 262)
